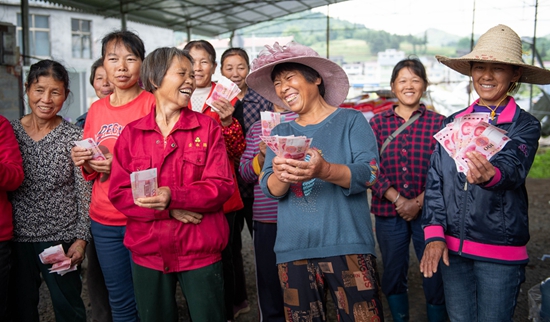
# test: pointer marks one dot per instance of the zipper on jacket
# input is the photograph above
(462, 218)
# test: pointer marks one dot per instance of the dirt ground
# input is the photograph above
(536, 271)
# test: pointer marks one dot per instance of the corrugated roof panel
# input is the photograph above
(203, 17)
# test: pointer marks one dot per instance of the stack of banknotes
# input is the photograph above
(55, 255)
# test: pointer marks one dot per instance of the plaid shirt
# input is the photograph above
(253, 104)
(404, 163)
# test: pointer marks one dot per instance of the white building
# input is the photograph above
(74, 39)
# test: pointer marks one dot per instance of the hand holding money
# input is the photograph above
(77, 252)
(480, 169)
(159, 202)
(55, 255)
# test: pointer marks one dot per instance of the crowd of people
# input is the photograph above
(309, 217)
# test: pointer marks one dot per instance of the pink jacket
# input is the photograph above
(11, 175)
(193, 163)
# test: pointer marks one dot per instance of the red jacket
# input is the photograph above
(194, 165)
(235, 144)
(11, 175)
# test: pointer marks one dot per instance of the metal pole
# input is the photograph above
(471, 48)
(534, 51)
(328, 33)
(123, 25)
(25, 27)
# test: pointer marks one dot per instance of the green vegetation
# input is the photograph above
(541, 165)
(351, 42)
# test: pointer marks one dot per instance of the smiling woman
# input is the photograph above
(477, 224)
(322, 196)
(123, 53)
(178, 234)
(51, 205)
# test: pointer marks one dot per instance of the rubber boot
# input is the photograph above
(399, 307)
(436, 313)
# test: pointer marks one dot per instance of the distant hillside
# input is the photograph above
(439, 38)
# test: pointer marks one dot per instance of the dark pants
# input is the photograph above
(270, 295)
(228, 269)
(25, 284)
(351, 279)
(156, 293)
(99, 296)
(5, 264)
(242, 216)
(394, 236)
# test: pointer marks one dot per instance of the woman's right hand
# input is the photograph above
(80, 157)
(185, 216)
(433, 253)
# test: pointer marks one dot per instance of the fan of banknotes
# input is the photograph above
(290, 147)
(224, 88)
(55, 255)
(471, 133)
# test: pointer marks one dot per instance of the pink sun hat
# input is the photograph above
(334, 78)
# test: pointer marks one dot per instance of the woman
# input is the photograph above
(477, 223)
(235, 66)
(99, 296)
(324, 233)
(51, 205)
(101, 85)
(398, 195)
(123, 53)
(270, 296)
(226, 113)
(179, 234)
(11, 176)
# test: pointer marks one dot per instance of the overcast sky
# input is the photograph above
(453, 16)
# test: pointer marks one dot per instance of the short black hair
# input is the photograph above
(202, 44)
(309, 74)
(48, 68)
(129, 39)
(236, 51)
(413, 64)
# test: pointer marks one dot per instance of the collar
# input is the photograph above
(391, 112)
(187, 121)
(506, 116)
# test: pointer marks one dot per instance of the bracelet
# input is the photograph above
(396, 198)
(418, 203)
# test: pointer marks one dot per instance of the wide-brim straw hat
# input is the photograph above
(499, 44)
(334, 78)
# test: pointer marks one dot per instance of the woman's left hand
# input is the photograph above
(158, 202)
(225, 110)
(407, 208)
(300, 171)
(480, 169)
(77, 252)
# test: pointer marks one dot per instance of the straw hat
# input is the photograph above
(334, 78)
(499, 44)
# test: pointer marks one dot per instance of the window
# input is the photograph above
(81, 38)
(39, 35)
